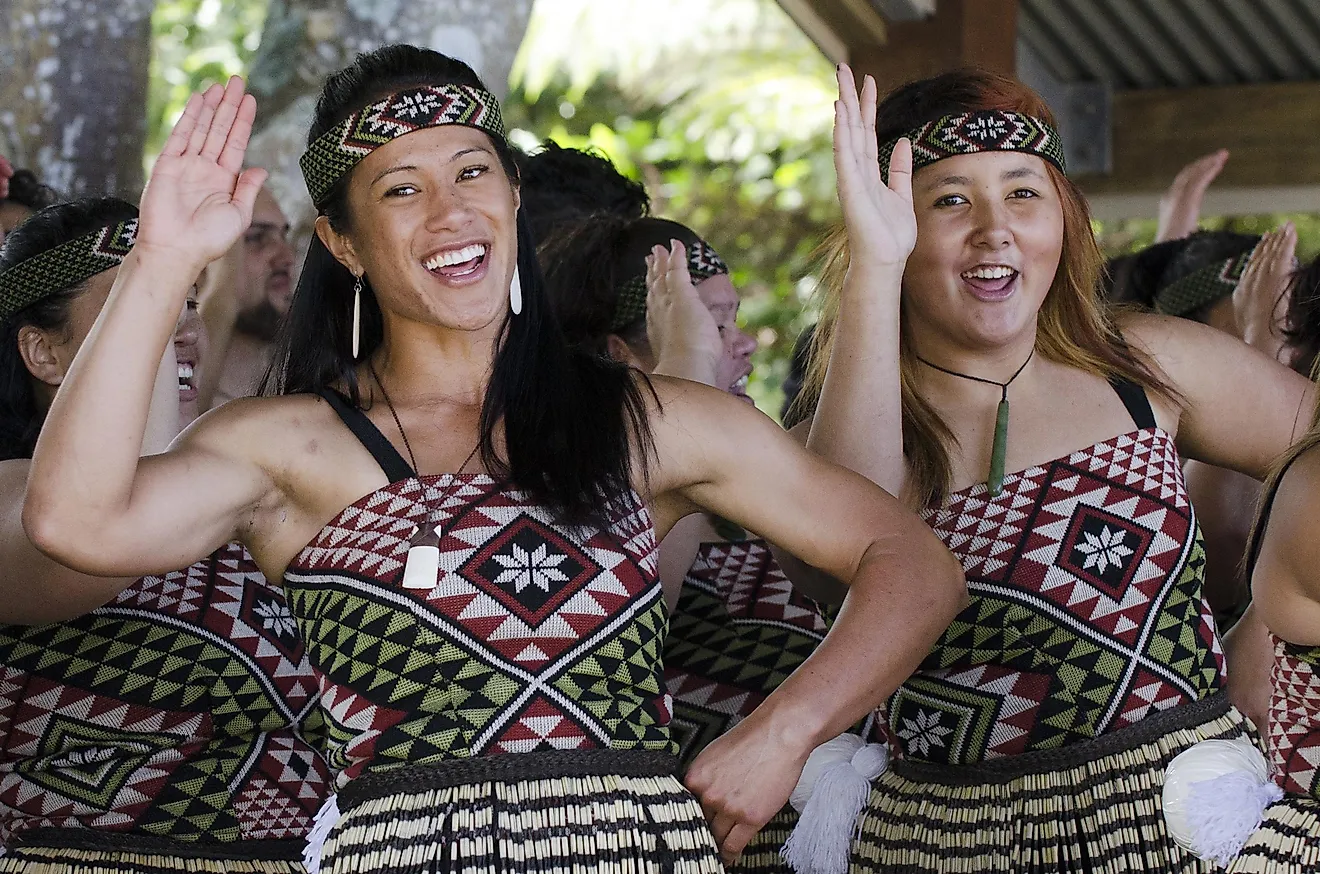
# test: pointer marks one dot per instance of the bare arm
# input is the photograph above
(219, 302)
(859, 421)
(1180, 206)
(905, 589)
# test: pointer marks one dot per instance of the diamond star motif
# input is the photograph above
(275, 617)
(1104, 549)
(537, 568)
(924, 732)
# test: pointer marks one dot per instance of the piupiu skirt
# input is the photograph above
(1287, 842)
(88, 851)
(762, 855)
(1092, 807)
(534, 813)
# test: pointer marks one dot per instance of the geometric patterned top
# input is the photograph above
(184, 708)
(739, 630)
(1087, 612)
(1294, 729)
(537, 635)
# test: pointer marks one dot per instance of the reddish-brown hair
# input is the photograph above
(1073, 327)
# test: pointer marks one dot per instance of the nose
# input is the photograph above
(991, 230)
(189, 329)
(283, 257)
(448, 210)
(744, 344)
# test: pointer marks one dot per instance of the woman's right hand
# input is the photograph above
(880, 220)
(683, 334)
(1260, 301)
(199, 199)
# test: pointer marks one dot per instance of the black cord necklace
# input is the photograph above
(998, 449)
(421, 569)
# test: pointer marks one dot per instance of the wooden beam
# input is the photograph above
(962, 33)
(818, 29)
(1270, 131)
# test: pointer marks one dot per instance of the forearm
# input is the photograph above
(859, 417)
(904, 595)
(163, 417)
(686, 364)
(85, 461)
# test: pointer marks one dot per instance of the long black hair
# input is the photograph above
(21, 415)
(569, 419)
(560, 184)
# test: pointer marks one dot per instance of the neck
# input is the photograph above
(422, 364)
(997, 363)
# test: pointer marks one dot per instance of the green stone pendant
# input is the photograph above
(998, 450)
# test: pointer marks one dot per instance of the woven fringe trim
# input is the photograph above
(604, 824)
(1103, 815)
(1287, 841)
(59, 860)
(762, 855)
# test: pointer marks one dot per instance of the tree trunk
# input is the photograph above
(305, 40)
(73, 92)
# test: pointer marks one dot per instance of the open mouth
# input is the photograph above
(187, 382)
(991, 281)
(461, 263)
(739, 389)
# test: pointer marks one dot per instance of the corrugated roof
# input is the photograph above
(1130, 44)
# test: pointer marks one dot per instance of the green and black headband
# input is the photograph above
(1210, 283)
(337, 151)
(985, 130)
(703, 263)
(65, 266)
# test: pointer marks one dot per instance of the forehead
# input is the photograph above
(428, 147)
(981, 168)
(267, 209)
(717, 291)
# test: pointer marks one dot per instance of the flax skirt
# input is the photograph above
(1099, 815)
(1287, 842)
(86, 851)
(762, 854)
(519, 821)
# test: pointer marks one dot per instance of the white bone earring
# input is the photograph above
(515, 293)
(357, 316)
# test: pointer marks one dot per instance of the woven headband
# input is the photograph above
(337, 151)
(65, 266)
(630, 306)
(1201, 287)
(987, 130)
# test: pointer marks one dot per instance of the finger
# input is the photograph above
(210, 100)
(870, 101)
(183, 128)
(721, 824)
(678, 268)
(900, 169)
(246, 190)
(736, 841)
(231, 99)
(240, 132)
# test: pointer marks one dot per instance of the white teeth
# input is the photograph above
(457, 256)
(988, 272)
(185, 372)
(740, 384)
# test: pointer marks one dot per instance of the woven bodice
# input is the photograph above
(1294, 720)
(536, 636)
(739, 630)
(185, 708)
(1086, 610)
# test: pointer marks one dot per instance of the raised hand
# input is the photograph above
(1260, 301)
(1180, 206)
(199, 199)
(881, 224)
(683, 335)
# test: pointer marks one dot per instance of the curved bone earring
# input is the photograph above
(357, 315)
(515, 293)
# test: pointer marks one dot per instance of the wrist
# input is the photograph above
(798, 726)
(693, 364)
(179, 262)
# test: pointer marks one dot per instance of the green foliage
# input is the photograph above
(195, 43)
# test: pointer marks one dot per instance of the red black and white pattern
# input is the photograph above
(1086, 616)
(536, 635)
(1294, 721)
(988, 130)
(185, 708)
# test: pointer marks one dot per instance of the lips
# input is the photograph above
(739, 389)
(187, 380)
(991, 282)
(458, 263)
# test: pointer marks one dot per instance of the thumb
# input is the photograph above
(246, 190)
(900, 169)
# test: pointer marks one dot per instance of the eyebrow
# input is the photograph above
(1008, 175)
(402, 168)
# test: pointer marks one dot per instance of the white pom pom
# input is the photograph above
(836, 790)
(324, 823)
(1215, 793)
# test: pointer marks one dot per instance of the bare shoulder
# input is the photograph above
(1169, 339)
(1284, 581)
(261, 422)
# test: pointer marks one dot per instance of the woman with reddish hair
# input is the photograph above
(1036, 734)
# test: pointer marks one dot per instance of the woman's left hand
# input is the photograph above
(744, 778)
(683, 334)
(1260, 301)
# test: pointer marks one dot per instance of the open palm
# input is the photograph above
(881, 224)
(199, 199)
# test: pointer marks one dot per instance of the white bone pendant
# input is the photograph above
(421, 570)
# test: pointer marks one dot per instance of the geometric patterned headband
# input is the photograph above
(630, 305)
(337, 151)
(1204, 286)
(65, 266)
(985, 130)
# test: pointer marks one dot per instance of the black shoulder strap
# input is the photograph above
(370, 437)
(1134, 398)
(1263, 518)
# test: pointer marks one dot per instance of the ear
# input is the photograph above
(39, 355)
(620, 351)
(339, 245)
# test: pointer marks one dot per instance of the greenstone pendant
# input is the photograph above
(998, 451)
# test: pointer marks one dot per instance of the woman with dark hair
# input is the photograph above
(560, 185)
(1036, 734)
(151, 723)
(739, 627)
(461, 506)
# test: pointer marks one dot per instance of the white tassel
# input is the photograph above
(834, 787)
(1215, 794)
(324, 823)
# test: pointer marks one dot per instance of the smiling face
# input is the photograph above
(735, 364)
(989, 241)
(433, 228)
